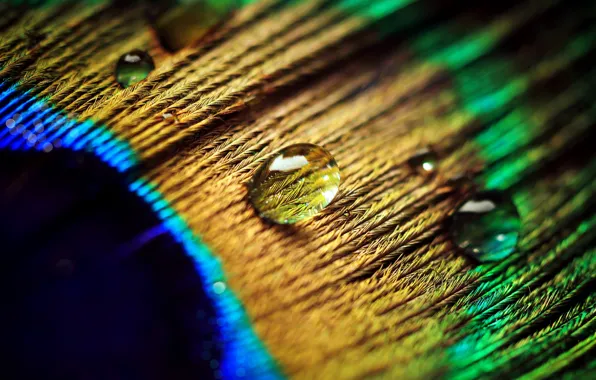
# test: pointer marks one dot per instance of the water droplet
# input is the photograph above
(47, 147)
(295, 184)
(487, 226)
(424, 161)
(184, 24)
(10, 123)
(133, 67)
(170, 117)
(219, 287)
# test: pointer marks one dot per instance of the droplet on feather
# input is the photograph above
(424, 161)
(133, 67)
(295, 184)
(487, 226)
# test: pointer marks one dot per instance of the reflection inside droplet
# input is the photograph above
(487, 226)
(295, 184)
(133, 67)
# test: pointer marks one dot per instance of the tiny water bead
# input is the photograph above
(424, 161)
(295, 184)
(133, 67)
(170, 117)
(487, 226)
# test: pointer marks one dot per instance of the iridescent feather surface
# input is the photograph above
(436, 220)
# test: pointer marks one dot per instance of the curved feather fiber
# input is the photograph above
(372, 287)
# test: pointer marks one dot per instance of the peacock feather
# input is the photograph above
(374, 285)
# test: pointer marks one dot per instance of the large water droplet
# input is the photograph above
(487, 226)
(424, 161)
(188, 22)
(296, 183)
(133, 67)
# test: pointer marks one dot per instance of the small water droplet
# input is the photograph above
(10, 123)
(487, 226)
(133, 67)
(48, 147)
(170, 117)
(219, 287)
(295, 184)
(424, 161)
